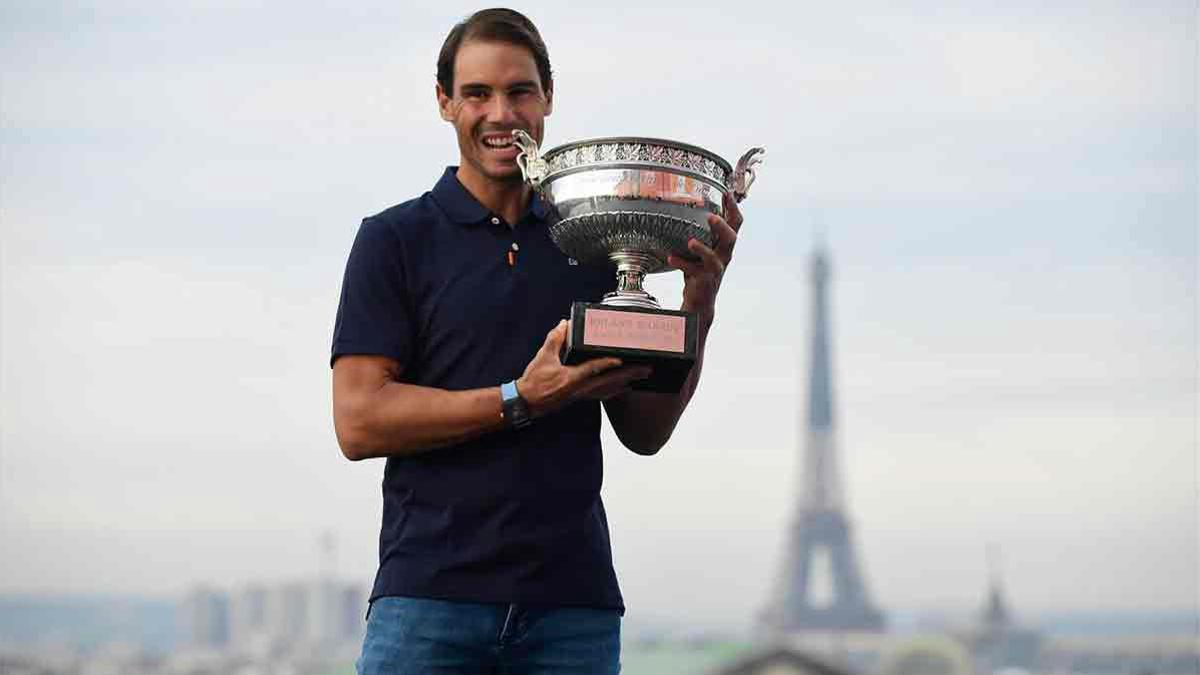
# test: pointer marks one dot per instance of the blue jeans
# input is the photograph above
(418, 635)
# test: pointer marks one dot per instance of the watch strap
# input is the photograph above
(514, 408)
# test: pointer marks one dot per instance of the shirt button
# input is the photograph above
(515, 247)
(495, 220)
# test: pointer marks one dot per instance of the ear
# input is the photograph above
(549, 102)
(444, 104)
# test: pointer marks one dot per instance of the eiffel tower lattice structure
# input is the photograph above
(820, 525)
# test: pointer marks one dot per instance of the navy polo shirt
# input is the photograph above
(512, 516)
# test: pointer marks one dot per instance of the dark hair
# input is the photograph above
(498, 25)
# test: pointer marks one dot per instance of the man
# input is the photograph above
(494, 553)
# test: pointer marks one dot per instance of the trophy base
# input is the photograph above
(664, 339)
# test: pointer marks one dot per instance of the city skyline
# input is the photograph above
(1008, 194)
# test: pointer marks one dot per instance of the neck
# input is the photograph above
(508, 199)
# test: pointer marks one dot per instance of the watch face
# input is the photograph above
(520, 411)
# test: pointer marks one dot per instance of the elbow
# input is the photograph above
(644, 445)
(353, 446)
(359, 436)
(353, 452)
(359, 447)
(645, 450)
(644, 421)
(353, 437)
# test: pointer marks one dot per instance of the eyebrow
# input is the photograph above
(479, 86)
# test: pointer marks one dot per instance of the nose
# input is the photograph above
(501, 110)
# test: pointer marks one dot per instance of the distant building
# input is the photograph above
(335, 612)
(204, 616)
(929, 655)
(779, 660)
(287, 614)
(248, 619)
(260, 619)
(354, 612)
(996, 641)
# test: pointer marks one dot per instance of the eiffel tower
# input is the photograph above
(820, 524)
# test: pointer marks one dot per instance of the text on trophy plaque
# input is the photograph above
(631, 330)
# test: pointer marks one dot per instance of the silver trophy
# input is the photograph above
(632, 202)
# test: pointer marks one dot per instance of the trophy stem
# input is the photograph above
(631, 271)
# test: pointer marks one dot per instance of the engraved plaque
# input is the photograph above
(633, 330)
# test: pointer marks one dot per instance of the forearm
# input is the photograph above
(399, 419)
(644, 421)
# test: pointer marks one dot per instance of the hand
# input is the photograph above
(548, 385)
(702, 278)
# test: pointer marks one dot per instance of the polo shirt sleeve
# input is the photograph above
(374, 314)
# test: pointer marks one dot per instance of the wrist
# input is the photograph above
(513, 407)
(529, 392)
(704, 314)
(523, 388)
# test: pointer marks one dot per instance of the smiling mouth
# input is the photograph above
(498, 142)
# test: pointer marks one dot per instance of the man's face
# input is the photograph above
(496, 90)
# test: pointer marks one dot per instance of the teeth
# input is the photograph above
(498, 141)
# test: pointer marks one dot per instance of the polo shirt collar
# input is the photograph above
(461, 206)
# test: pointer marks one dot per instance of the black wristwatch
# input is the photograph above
(516, 410)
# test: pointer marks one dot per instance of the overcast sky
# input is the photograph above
(1009, 195)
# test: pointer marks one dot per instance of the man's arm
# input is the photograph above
(377, 415)
(644, 421)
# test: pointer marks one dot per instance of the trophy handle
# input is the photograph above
(743, 174)
(533, 167)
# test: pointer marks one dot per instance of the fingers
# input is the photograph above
(614, 382)
(724, 235)
(594, 368)
(689, 267)
(733, 213)
(708, 264)
(711, 261)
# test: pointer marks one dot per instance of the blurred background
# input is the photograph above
(1005, 195)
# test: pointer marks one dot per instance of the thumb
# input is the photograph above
(555, 338)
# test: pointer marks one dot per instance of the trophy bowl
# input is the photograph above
(632, 201)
